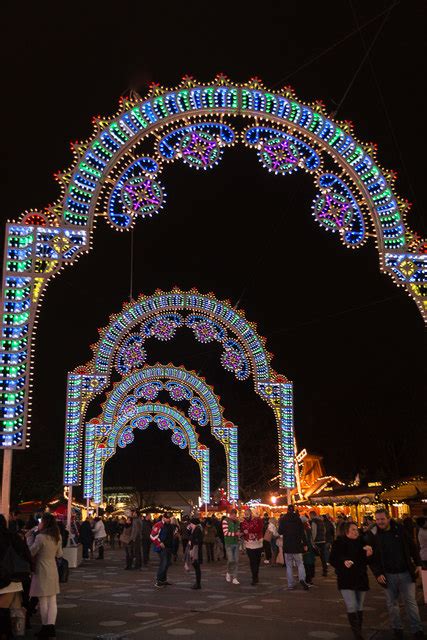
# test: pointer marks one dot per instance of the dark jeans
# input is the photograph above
(164, 564)
(322, 553)
(184, 545)
(309, 572)
(197, 571)
(254, 556)
(267, 549)
(87, 546)
(210, 551)
(146, 546)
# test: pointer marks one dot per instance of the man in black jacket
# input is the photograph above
(396, 563)
(294, 543)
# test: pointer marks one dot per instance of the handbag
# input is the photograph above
(63, 569)
(13, 568)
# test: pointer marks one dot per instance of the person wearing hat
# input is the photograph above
(252, 533)
(195, 544)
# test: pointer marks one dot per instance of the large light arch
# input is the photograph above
(147, 383)
(122, 346)
(115, 175)
(102, 440)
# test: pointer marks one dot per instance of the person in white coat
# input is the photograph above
(45, 546)
(99, 536)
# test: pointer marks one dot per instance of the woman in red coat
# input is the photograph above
(252, 533)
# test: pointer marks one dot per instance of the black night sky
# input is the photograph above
(349, 339)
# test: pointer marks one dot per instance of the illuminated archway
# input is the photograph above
(102, 441)
(146, 384)
(116, 172)
(122, 346)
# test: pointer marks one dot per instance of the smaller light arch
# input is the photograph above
(204, 407)
(102, 442)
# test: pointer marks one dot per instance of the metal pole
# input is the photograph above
(69, 505)
(5, 486)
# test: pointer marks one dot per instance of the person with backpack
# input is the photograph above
(45, 546)
(13, 551)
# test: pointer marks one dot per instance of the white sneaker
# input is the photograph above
(235, 581)
(266, 561)
(228, 577)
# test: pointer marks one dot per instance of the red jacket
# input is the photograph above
(155, 534)
(252, 531)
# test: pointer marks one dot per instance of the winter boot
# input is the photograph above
(360, 616)
(353, 619)
(100, 553)
(51, 633)
(43, 632)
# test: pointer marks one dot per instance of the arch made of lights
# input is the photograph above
(115, 175)
(102, 440)
(122, 347)
(181, 385)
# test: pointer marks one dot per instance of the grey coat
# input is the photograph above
(45, 580)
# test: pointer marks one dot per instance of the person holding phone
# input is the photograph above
(349, 557)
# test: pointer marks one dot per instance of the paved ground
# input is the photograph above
(101, 600)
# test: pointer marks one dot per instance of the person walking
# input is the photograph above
(45, 546)
(231, 530)
(146, 527)
(195, 545)
(274, 533)
(125, 540)
(350, 556)
(319, 539)
(209, 536)
(99, 536)
(309, 556)
(11, 587)
(162, 538)
(396, 564)
(266, 538)
(86, 537)
(136, 538)
(294, 544)
(252, 532)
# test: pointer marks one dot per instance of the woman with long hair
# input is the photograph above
(45, 545)
(349, 557)
(10, 590)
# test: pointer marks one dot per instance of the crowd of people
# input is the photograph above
(393, 551)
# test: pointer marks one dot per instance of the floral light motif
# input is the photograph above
(149, 391)
(205, 330)
(179, 438)
(279, 155)
(163, 423)
(142, 196)
(163, 327)
(132, 354)
(234, 359)
(126, 438)
(197, 412)
(178, 392)
(141, 423)
(200, 150)
(336, 209)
